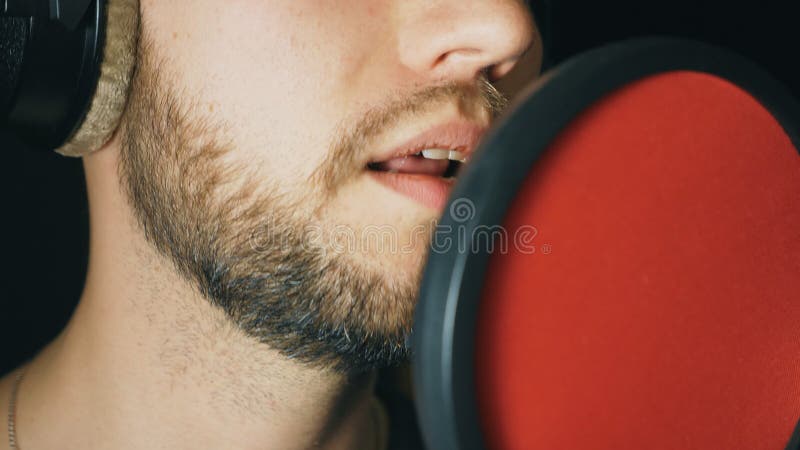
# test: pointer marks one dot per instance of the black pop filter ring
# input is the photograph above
(446, 314)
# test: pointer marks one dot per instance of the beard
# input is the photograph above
(248, 248)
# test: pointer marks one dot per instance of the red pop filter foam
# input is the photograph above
(653, 300)
(660, 306)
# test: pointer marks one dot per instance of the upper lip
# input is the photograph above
(461, 135)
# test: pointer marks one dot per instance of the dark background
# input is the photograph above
(45, 216)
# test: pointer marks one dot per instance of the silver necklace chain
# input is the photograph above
(12, 411)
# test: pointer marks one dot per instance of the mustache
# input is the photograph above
(354, 137)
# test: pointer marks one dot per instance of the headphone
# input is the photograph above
(65, 70)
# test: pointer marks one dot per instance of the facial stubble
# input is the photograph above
(199, 207)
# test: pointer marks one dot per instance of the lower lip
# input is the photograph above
(430, 191)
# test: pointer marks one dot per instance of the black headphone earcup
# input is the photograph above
(116, 71)
(13, 35)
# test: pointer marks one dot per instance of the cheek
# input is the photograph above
(275, 72)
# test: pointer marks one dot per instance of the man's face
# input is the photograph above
(273, 149)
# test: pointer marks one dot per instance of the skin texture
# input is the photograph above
(210, 317)
(265, 255)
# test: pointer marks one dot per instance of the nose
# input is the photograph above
(459, 39)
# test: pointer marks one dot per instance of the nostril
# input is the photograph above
(499, 71)
(462, 57)
(502, 68)
(487, 74)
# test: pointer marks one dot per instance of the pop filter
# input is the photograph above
(619, 265)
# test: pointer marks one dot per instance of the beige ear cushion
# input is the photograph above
(108, 103)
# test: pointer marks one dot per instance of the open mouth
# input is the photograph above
(433, 162)
(425, 167)
(425, 176)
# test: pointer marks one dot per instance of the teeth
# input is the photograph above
(438, 153)
(456, 155)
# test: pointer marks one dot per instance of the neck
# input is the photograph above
(146, 362)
